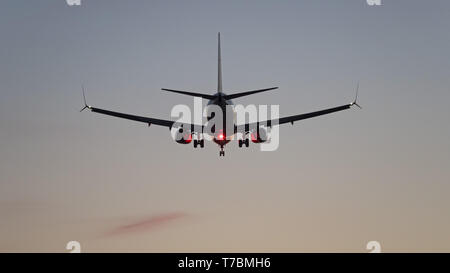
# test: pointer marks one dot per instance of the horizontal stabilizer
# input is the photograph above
(205, 96)
(242, 94)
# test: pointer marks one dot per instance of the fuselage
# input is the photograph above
(221, 136)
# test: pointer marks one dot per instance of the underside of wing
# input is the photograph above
(244, 128)
(161, 122)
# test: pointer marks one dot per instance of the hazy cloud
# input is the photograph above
(147, 224)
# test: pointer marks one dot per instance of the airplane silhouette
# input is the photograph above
(220, 135)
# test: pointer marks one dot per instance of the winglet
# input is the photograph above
(84, 100)
(356, 98)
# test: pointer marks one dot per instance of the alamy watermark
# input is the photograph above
(73, 2)
(374, 2)
(241, 123)
(78, 2)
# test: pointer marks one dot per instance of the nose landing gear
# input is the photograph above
(222, 152)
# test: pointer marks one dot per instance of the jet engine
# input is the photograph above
(182, 137)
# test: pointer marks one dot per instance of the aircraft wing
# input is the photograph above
(239, 128)
(244, 128)
(161, 122)
(147, 120)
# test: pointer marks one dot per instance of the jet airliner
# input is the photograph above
(221, 136)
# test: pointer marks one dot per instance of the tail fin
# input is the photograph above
(219, 68)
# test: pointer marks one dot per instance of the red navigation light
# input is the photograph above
(220, 136)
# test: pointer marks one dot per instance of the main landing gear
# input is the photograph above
(222, 152)
(242, 142)
(200, 142)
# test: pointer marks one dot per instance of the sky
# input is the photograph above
(335, 183)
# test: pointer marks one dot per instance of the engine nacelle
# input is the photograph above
(183, 137)
(259, 136)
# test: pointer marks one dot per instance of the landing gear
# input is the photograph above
(222, 152)
(200, 142)
(243, 142)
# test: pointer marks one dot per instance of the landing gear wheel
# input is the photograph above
(240, 143)
(246, 142)
(222, 153)
(195, 143)
(202, 143)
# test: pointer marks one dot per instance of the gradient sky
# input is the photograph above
(336, 182)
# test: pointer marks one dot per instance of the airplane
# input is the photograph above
(221, 137)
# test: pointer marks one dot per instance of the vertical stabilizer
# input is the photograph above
(219, 69)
